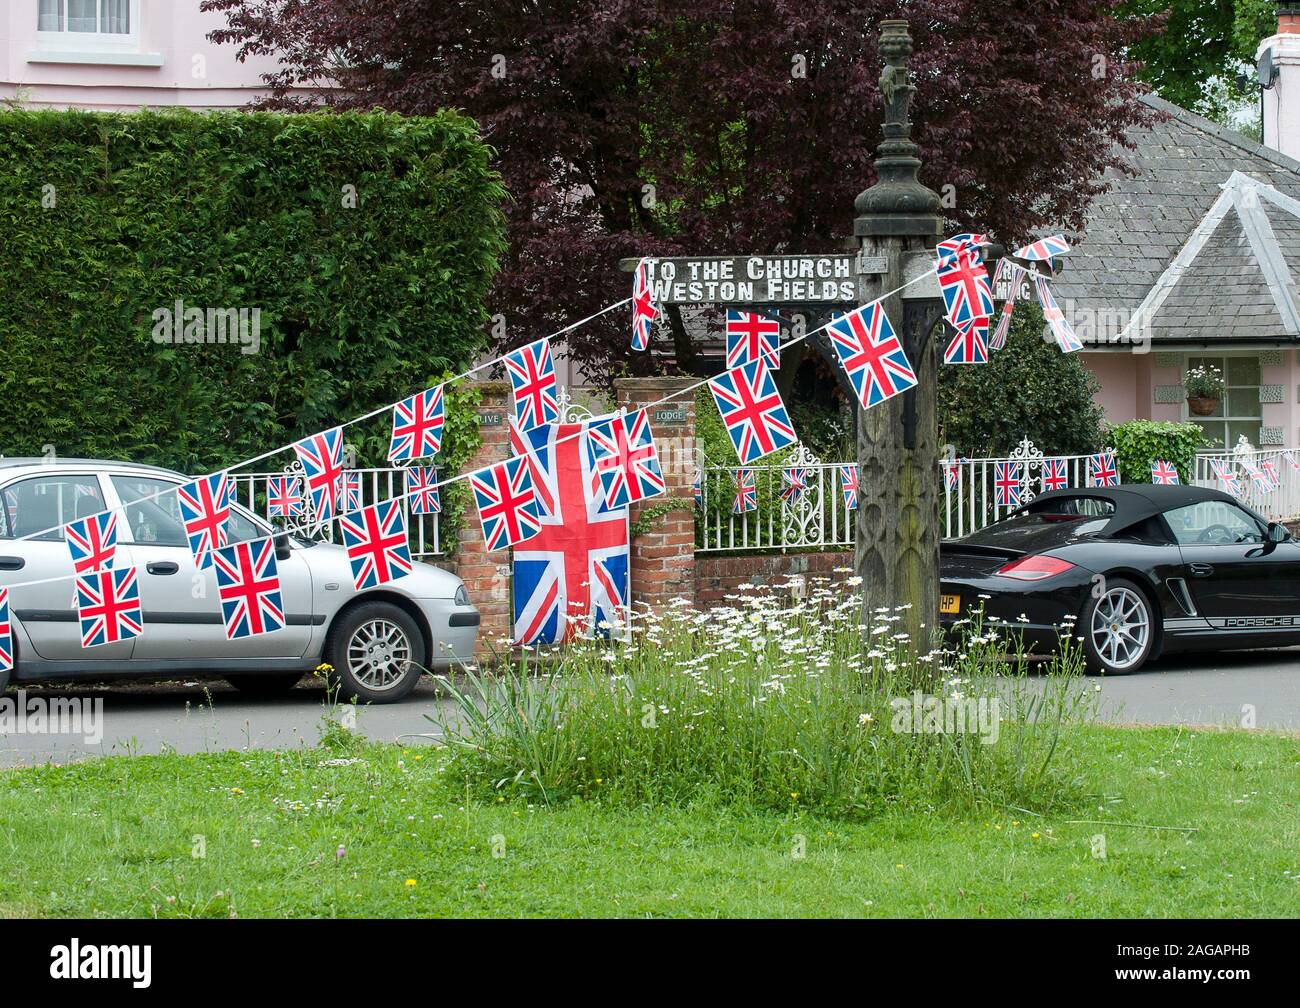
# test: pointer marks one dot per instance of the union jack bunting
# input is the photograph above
(507, 503)
(964, 283)
(746, 492)
(871, 355)
(951, 474)
(1045, 249)
(1230, 481)
(1102, 470)
(284, 497)
(375, 540)
(417, 426)
(532, 376)
(205, 508)
(849, 486)
(697, 489)
(6, 633)
(321, 456)
(422, 490)
(794, 484)
(644, 311)
(752, 410)
(969, 344)
(1291, 459)
(752, 337)
(1006, 483)
(108, 607)
(351, 491)
(962, 245)
(1164, 473)
(1259, 477)
(92, 542)
(1061, 329)
(623, 459)
(248, 585)
(1014, 276)
(1055, 476)
(1270, 469)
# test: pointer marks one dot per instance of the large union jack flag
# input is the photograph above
(532, 376)
(507, 503)
(248, 585)
(849, 486)
(1006, 484)
(1103, 470)
(108, 607)
(644, 311)
(752, 410)
(1055, 476)
(794, 484)
(205, 508)
(571, 577)
(746, 492)
(1056, 321)
(284, 497)
(871, 355)
(375, 540)
(964, 284)
(1045, 249)
(321, 456)
(752, 337)
(92, 542)
(417, 426)
(422, 490)
(6, 633)
(969, 344)
(1164, 473)
(623, 459)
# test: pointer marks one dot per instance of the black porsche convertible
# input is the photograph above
(1138, 571)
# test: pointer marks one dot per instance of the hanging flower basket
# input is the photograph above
(1203, 405)
(1204, 387)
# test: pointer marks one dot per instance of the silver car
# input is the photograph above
(377, 641)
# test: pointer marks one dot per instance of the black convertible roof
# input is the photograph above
(1133, 501)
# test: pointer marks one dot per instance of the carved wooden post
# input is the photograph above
(898, 222)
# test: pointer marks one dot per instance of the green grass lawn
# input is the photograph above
(116, 837)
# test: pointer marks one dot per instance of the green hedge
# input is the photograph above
(107, 219)
(1138, 443)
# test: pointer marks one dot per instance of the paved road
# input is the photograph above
(199, 717)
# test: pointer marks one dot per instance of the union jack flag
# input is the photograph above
(964, 283)
(1013, 276)
(1006, 483)
(108, 607)
(963, 246)
(532, 376)
(1291, 459)
(623, 459)
(92, 542)
(375, 540)
(644, 311)
(248, 585)
(752, 410)
(1164, 473)
(746, 492)
(1259, 477)
(321, 456)
(952, 474)
(422, 489)
(697, 489)
(205, 508)
(849, 486)
(6, 633)
(1061, 329)
(1268, 467)
(1055, 475)
(284, 497)
(351, 491)
(1102, 470)
(1231, 484)
(1044, 249)
(417, 426)
(969, 344)
(507, 503)
(871, 355)
(794, 483)
(752, 337)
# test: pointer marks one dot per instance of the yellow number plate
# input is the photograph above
(949, 605)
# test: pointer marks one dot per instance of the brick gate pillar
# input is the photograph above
(487, 574)
(663, 556)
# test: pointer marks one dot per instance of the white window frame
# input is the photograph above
(91, 47)
(1189, 417)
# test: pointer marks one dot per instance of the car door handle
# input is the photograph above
(162, 567)
(12, 563)
(1201, 569)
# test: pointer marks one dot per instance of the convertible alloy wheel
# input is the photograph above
(379, 654)
(1120, 629)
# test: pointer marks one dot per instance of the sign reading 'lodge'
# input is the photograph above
(754, 279)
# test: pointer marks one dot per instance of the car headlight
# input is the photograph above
(462, 596)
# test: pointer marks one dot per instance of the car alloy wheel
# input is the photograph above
(379, 654)
(1121, 628)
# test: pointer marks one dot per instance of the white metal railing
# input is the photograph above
(423, 532)
(1278, 503)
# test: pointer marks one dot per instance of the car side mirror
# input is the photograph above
(282, 550)
(1278, 533)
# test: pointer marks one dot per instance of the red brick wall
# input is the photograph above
(718, 576)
